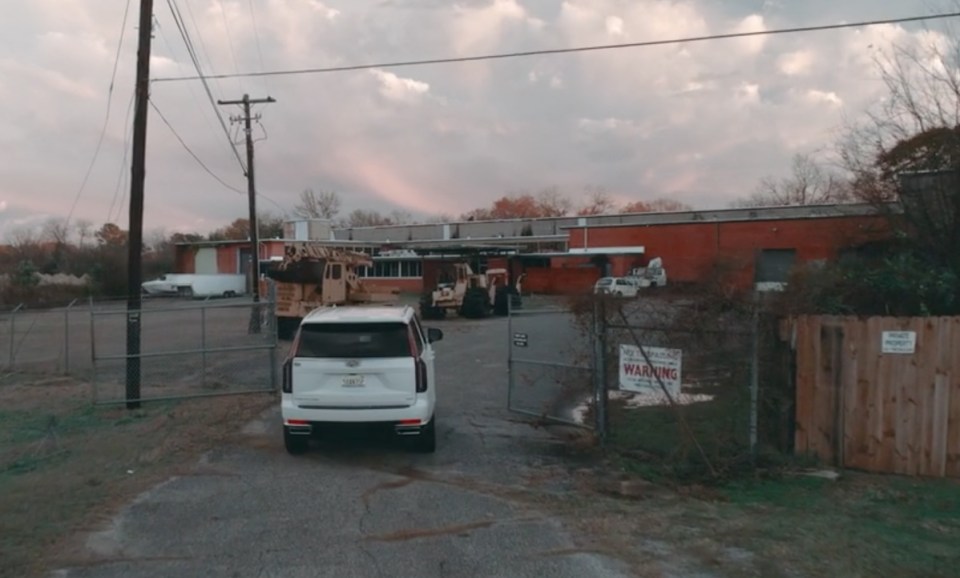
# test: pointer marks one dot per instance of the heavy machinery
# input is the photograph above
(470, 295)
(312, 276)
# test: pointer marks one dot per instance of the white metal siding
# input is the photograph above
(205, 263)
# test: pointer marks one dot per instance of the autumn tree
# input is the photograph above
(809, 183)
(268, 226)
(548, 202)
(111, 235)
(325, 205)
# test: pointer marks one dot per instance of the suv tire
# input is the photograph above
(295, 444)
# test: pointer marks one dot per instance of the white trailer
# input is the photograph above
(197, 285)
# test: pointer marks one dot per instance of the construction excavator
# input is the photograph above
(311, 276)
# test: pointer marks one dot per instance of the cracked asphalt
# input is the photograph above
(361, 506)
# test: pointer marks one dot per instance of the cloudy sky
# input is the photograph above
(700, 123)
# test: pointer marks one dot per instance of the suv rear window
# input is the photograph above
(346, 340)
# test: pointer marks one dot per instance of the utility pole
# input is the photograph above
(138, 175)
(246, 101)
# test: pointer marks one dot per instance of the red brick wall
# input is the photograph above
(227, 259)
(405, 285)
(560, 281)
(184, 260)
(691, 251)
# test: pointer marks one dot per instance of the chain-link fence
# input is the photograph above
(187, 349)
(693, 387)
(550, 367)
(44, 341)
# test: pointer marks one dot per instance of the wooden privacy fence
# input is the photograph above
(880, 394)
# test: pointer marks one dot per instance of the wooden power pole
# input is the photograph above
(245, 102)
(138, 175)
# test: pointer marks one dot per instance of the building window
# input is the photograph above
(774, 265)
(393, 269)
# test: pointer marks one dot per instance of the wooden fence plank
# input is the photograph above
(953, 393)
(926, 366)
(806, 387)
(825, 408)
(858, 407)
(892, 413)
(940, 411)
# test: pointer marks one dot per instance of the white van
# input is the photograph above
(360, 364)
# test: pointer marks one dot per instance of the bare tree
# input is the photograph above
(808, 184)
(553, 203)
(598, 202)
(56, 231)
(905, 157)
(84, 228)
(400, 217)
(361, 218)
(326, 205)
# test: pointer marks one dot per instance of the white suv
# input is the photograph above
(360, 365)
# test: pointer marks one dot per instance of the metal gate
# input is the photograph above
(551, 366)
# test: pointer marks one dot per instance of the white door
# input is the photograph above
(205, 263)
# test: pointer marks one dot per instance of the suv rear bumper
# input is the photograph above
(421, 410)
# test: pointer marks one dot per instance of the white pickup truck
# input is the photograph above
(653, 275)
(191, 285)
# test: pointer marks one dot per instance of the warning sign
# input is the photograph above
(639, 376)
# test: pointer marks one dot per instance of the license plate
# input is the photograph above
(353, 381)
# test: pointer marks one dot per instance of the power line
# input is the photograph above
(191, 51)
(233, 53)
(506, 55)
(106, 118)
(204, 165)
(192, 154)
(193, 93)
(128, 134)
(256, 34)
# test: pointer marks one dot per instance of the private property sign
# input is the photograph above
(639, 376)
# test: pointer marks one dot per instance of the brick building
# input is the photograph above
(567, 254)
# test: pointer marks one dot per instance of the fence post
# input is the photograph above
(509, 353)
(93, 356)
(66, 338)
(13, 335)
(272, 322)
(203, 345)
(754, 373)
(600, 369)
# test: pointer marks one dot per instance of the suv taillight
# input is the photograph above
(420, 368)
(421, 375)
(288, 376)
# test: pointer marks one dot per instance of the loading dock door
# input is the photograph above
(774, 265)
(205, 263)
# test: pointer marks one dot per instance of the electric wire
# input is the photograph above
(204, 165)
(551, 51)
(128, 135)
(233, 53)
(191, 50)
(256, 34)
(106, 119)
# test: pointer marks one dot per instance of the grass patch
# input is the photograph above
(63, 461)
(658, 448)
(858, 526)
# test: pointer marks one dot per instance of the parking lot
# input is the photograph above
(365, 507)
